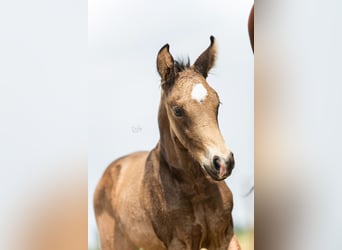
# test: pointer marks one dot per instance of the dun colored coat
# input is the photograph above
(174, 196)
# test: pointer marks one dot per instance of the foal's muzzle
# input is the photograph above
(220, 167)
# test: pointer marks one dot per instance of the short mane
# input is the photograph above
(181, 64)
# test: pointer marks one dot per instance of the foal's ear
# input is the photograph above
(165, 64)
(207, 59)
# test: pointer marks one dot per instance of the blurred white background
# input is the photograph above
(43, 122)
(124, 86)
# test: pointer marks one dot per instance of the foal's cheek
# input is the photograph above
(181, 125)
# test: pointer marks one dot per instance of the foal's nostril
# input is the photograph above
(217, 164)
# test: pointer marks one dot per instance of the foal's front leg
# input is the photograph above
(178, 244)
(233, 244)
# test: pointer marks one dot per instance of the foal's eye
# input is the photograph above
(179, 112)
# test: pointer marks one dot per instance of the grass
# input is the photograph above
(246, 239)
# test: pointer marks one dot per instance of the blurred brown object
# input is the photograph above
(251, 27)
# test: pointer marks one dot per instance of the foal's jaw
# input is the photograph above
(218, 164)
(216, 160)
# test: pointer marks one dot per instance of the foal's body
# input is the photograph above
(188, 216)
(172, 197)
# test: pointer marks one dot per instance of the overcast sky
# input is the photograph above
(124, 86)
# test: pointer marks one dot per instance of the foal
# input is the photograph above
(174, 196)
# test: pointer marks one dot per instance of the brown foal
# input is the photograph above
(174, 196)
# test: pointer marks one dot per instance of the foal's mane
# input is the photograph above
(182, 64)
(179, 65)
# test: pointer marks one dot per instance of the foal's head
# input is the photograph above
(192, 107)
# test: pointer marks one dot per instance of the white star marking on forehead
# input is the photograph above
(199, 92)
